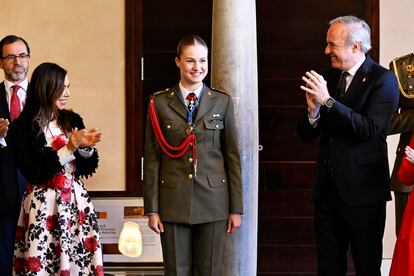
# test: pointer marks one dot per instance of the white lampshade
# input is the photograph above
(130, 240)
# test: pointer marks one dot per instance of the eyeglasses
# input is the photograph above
(10, 58)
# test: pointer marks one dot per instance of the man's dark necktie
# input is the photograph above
(342, 84)
(15, 108)
(191, 101)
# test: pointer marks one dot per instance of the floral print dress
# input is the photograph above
(57, 231)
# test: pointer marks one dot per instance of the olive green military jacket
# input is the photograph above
(403, 119)
(171, 187)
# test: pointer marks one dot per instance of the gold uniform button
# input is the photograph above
(168, 126)
(217, 126)
(190, 176)
(162, 181)
(223, 181)
(190, 160)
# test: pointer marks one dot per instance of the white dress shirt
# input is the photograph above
(185, 92)
(21, 93)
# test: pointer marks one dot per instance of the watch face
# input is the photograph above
(329, 102)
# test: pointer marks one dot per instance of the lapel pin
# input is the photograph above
(364, 79)
(209, 93)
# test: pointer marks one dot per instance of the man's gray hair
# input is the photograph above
(358, 31)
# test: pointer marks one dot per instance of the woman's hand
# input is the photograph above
(91, 138)
(154, 222)
(233, 222)
(75, 139)
(84, 138)
(409, 152)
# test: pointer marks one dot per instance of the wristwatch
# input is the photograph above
(329, 102)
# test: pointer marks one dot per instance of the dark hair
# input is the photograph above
(11, 39)
(45, 88)
(189, 40)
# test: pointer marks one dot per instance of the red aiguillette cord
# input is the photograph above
(173, 152)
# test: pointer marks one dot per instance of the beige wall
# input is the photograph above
(86, 38)
(396, 39)
(92, 50)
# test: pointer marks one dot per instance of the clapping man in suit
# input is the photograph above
(14, 61)
(350, 107)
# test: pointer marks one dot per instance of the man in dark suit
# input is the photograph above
(350, 107)
(15, 60)
(195, 197)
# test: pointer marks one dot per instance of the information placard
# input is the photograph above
(112, 214)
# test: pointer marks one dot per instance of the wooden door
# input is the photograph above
(291, 40)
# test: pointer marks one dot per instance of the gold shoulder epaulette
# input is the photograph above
(404, 57)
(403, 68)
(162, 91)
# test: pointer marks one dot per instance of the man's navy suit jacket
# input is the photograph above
(353, 146)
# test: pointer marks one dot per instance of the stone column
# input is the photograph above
(234, 69)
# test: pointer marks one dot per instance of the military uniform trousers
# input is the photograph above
(193, 250)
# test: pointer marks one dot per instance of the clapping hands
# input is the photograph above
(409, 152)
(4, 126)
(83, 138)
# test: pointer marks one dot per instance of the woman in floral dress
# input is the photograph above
(57, 231)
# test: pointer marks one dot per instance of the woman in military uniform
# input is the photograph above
(192, 175)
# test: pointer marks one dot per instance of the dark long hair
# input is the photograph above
(45, 88)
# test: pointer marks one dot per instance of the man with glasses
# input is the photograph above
(14, 61)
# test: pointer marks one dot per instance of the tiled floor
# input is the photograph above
(157, 271)
(129, 271)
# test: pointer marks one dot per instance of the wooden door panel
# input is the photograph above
(286, 175)
(166, 36)
(284, 92)
(285, 203)
(279, 259)
(304, 11)
(289, 65)
(293, 231)
(292, 36)
(291, 40)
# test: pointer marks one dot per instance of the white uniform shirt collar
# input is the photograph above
(185, 92)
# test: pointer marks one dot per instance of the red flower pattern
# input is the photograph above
(66, 194)
(33, 264)
(57, 182)
(18, 265)
(99, 271)
(70, 197)
(26, 220)
(91, 244)
(81, 218)
(64, 273)
(52, 222)
(20, 233)
(58, 249)
(29, 188)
